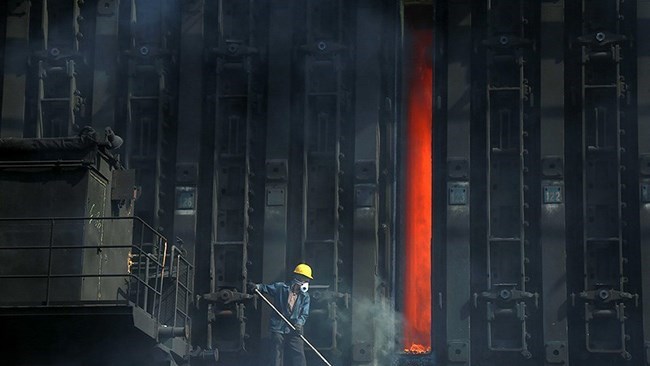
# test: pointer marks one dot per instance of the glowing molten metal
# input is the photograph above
(418, 196)
(417, 349)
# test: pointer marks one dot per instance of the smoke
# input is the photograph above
(377, 315)
(388, 326)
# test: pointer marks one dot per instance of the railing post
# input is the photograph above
(171, 270)
(139, 275)
(161, 262)
(146, 282)
(49, 264)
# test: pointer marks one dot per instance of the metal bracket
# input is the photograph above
(458, 169)
(277, 169)
(365, 171)
(275, 197)
(552, 167)
(605, 296)
(234, 50)
(323, 48)
(594, 308)
(227, 296)
(186, 173)
(106, 7)
(362, 352)
(505, 41)
(556, 352)
(326, 295)
(506, 294)
(601, 39)
(458, 351)
(364, 195)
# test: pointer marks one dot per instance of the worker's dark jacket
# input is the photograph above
(279, 292)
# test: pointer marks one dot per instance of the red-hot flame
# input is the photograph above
(417, 349)
(418, 196)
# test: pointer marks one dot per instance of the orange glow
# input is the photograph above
(417, 349)
(418, 196)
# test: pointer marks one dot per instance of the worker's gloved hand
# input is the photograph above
(252, 286)
(298, 329)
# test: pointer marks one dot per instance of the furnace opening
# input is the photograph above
(418, 158)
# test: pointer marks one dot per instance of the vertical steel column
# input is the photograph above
(236, 120)
(277, 143)
(3, 38)
(105, 62)
(325, 102)
(604, 293)
(15, 68)
(643, 118)
(151, 106)
(190, 116)
(458, 297)
(197, 57)
(59, 101)
(389, 69)
(508, 98)
(366, 178)
(439, 234)
(552, 215)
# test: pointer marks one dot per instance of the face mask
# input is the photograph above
(304, 287)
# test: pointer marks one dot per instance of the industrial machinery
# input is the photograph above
(470, 180)
(79, 273)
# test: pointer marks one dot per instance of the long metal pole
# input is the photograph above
(292, 327)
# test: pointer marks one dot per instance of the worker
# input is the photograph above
(293, 301)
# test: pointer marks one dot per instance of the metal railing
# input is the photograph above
(42, 265)
(181, 272)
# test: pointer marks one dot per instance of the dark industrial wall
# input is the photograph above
(262, 134)
(546, 219)
(267, 132)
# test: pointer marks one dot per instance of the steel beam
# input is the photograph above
(58, 64)
(366, 159)
(507, 296)
(603, 319)
(236, 64)
(105, 68)
(277, 143)
(552, 215)
(457, 296)
(151, 114)
(643, 118)
(15, 69)
(190, 91)
(324, 107)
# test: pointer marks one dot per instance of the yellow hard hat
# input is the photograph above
(303, 269)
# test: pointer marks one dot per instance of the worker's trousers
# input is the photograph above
(291, 345)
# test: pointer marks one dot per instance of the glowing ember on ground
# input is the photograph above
(417, 349)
